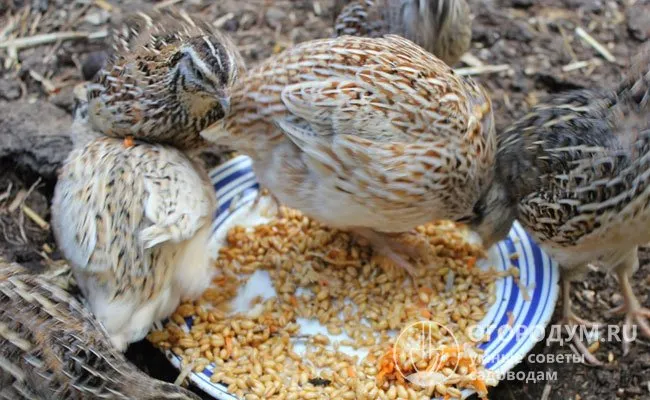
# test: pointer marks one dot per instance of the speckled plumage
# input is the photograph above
(134, 224)
(51, 347)
(442, 27)
(364, 133)
(168, 79)
(133, 216)
(576, 173)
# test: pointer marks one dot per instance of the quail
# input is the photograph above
(442, 27)
(576, 172)
(168, 79)
(52, 347)
(132, 210)
(372, 135)
(134, 223)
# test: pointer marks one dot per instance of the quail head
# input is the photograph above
(51, 347)
(170, 78)
(373, 135)
(576, 173)
(442, 27)
(134, 223)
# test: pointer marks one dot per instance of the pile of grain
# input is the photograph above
(349, 291)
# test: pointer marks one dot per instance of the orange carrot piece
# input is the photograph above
(229, 346)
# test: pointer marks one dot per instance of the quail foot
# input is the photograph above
(576, 173)
(442, 27)
(370, 135)
(636, 316)
(52, 347)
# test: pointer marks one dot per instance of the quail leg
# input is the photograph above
(635, 314)
(570, 319)
(390, 248)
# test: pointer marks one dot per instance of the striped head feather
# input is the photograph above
(166, 84)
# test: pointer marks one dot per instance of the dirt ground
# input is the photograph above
(534, 45)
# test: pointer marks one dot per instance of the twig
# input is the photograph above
(47, 84)
(18, 200)
(575, 65)
(23, 20)
(35, 217)
(547, 391)
(22, 195)
(37, 21)
(317, 8)
(44, 256)
(21, 225)
(486, 69)
(165, 4)
(46, 38)
(104, 5)
(506, 102)
(594, 43)
(221, 21)
(7, 192)
(567, 44)
(471, 60)
(12, 57)
(8, 28)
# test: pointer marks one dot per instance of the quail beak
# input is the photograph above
(213, 132)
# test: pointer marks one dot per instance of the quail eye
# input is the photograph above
(198, 74)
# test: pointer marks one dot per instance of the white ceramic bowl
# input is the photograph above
(515, 324)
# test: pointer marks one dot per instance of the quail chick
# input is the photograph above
(442, 27)
(168, 80)
(134, 223)
(51, 347)
(576, 173)
(372, 135)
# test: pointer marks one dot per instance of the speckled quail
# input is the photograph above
(51, 347)
(442, 27)
(576, 173)
(168, 80)
(133, 216)
(373, 135)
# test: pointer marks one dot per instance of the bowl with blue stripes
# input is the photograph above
(514, 323)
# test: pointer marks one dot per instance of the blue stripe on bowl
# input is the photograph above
(491, 320)
(511, 297)
(544, 296)
(521, 319)
(230, 166)
(234, 181)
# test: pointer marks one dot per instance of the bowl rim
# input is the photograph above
(236, 187)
